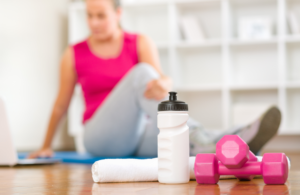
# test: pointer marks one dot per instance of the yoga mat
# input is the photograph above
(74, 157)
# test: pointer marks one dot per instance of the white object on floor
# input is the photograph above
(125, 170)
(134, 170)
(75, 113)
(7, 150)
(8, 153)
(191, 29)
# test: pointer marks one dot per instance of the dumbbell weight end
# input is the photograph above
(206, 169)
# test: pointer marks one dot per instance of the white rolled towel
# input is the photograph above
(133, 170)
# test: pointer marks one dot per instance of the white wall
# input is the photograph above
(33, 35)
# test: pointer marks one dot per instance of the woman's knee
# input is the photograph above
(144, 70)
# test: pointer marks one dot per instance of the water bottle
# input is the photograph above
(173, 141)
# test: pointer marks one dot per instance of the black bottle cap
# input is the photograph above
(172, 104)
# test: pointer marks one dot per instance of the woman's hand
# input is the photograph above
(159, 88)
(44, 153)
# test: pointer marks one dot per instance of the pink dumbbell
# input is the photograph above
(273, 168)
(234, 152)
(252, 158)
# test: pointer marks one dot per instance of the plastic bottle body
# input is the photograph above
(173, 147)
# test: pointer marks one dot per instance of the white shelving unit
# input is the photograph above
(223, 75)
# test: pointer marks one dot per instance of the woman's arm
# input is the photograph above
(156, 89)
(67, 84)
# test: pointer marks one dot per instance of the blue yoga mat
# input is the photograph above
(74, 157)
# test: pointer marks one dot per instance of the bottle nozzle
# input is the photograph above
(172, 96)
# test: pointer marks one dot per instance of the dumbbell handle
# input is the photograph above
(249, 168)
(252, 158)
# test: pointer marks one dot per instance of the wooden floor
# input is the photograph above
(75, 179)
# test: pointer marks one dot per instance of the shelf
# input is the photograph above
(200, 88)
(254, 42)
(204, 44)
(257, 2)
(293, 85)
(293, 39)
(289, 131)
(244, 87)
(255, 96)
(185, 3)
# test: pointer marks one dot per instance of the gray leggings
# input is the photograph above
(120, 126)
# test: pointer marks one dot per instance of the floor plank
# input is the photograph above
(76, 179)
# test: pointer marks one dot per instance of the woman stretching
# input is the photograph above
(122, 84)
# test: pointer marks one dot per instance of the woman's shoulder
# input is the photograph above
(136, 38)
(129, 36)
(79, 45)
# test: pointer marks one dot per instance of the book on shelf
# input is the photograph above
(293, 23)
(254, 27)
(191, 29)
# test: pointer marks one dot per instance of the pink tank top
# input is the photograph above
(98, 76)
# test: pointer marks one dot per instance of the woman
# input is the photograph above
(122, 81)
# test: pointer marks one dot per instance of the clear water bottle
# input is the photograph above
(173, 141)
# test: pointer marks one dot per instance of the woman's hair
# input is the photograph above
(116, 3)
